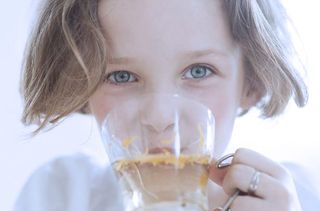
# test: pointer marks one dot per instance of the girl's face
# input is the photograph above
(179, 47)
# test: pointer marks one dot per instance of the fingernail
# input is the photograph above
(224, 161)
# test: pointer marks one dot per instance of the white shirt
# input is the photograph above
(78, 183)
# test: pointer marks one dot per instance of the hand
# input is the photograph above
(274, 189)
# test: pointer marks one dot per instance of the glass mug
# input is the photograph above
(160, 147)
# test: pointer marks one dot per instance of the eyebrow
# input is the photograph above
(120, 60)
(201, 53)
(188, 55)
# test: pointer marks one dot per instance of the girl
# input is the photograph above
(89, 56)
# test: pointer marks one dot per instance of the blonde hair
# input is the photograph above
(259, 26)
(66, 58)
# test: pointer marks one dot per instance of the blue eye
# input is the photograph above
(198, 72)
(118, 77)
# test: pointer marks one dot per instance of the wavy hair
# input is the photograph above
(66, 58)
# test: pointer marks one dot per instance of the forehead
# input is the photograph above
(164, 26)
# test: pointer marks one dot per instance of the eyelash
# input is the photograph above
(111, 77)
(209, 70)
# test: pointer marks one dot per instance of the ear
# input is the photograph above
(85, 109)
(250, 97)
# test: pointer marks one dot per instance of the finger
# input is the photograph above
(259, 162)
(218, 168)
(217, 175)
(239, 176)
(248, 203)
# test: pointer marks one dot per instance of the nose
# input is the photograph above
(159, 115)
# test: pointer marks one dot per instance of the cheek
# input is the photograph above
(225, 115)
(224, 107)
(100, 106)
(106, 98)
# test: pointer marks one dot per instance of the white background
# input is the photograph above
(292, 137)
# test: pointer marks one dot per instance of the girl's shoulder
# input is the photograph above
(307, 188)
(74, 182)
